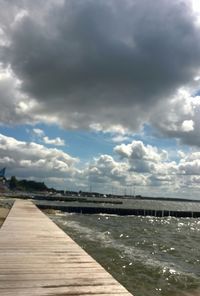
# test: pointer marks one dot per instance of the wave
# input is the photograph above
(131, 253)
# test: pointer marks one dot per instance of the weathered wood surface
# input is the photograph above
(38, 258)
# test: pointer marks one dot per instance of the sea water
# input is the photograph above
(148, 255)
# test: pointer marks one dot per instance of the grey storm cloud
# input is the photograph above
(107, 62)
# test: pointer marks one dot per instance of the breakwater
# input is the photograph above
(126, 207)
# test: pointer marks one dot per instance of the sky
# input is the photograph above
(102, 95)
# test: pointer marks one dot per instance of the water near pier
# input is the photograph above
(148, 255)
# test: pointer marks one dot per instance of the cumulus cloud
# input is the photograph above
(135, 164)
(57, 141)
(14, 104)
(146, 166)
(188, 125)
(143, 159)
(190, 164)
(90, 63)
(105, 168)
(28, 159)
(180, 118)
(46, 140)
(108, 66)
(119, 174)
(152, 164)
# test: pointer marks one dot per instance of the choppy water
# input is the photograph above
(148, 255)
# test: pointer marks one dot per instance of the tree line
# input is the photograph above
(26, 185)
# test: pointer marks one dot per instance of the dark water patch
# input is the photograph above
(148, 255)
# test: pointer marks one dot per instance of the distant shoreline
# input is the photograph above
(158, 207)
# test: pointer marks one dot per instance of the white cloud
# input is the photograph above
(190, 164)
(138, 165)
(20, 15)
(180, 118)
(46, 140)
(181, 154)
(105, 169)
(196, 8)
(116, 129)
(120, 138)
(15, 106)
(190, 168)
(57, 141)
(187, 125)
(38, 132)
(143, 166)
(27, 160)
(137, 150)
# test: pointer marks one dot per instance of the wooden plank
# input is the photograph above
(38, 258)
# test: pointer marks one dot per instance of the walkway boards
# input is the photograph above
(38, 258)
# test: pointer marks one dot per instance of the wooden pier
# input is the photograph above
(38, 258)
